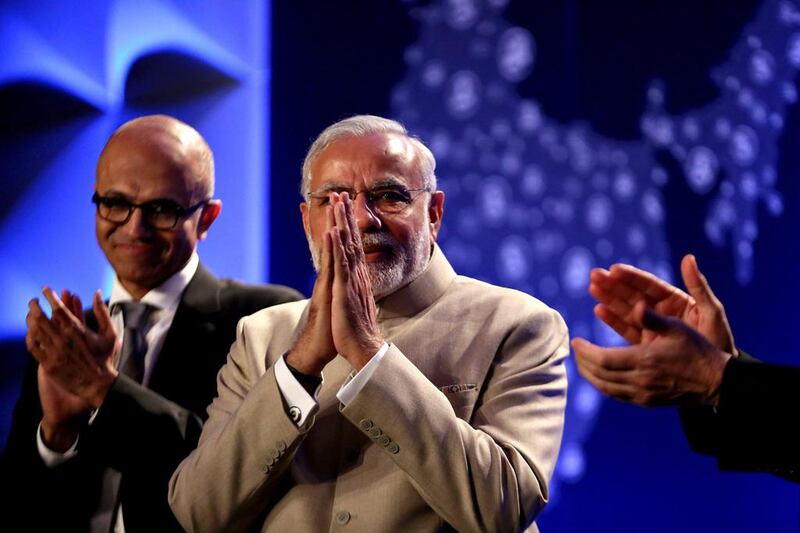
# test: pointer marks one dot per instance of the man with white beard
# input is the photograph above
(443, 397)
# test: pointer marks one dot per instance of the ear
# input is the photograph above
(207, 217)
(435, 213)
(304, 212)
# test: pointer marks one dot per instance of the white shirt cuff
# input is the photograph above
(300, 403)
(51, 458)
(352, 387)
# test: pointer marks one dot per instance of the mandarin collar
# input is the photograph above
(420, 293)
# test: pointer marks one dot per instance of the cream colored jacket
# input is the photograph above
(459, 426)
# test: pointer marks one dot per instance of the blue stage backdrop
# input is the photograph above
(569, 134)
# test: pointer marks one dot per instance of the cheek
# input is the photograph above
(103, 232)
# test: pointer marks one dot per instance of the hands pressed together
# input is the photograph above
(342, 315)
(76, 364)
(680, 342)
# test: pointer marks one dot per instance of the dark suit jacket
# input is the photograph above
(142, 432)
(754, 427)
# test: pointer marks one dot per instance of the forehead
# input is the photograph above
(145, 168)
(363, 160)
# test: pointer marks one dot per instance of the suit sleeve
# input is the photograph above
(753, 427)
(137, 428)
(492, 473)
(27, 482)
(224, 484)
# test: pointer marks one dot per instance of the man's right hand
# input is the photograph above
(619, 289)
(314, 348)
(63, 413)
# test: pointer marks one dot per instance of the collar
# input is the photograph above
(422, 292)
(166, 295)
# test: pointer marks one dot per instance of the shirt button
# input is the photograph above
(365, 424)
(342, 517)
(295, 413)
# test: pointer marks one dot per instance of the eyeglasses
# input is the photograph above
(386, 200)
(159, 214)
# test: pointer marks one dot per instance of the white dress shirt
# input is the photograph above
(303, 404)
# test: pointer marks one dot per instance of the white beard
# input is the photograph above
(398, 270)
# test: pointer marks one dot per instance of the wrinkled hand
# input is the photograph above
(354, 322)
(314, 348)
(620, 289)
(672, 365)
(77, 359)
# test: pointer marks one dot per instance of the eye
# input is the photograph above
(390, 196)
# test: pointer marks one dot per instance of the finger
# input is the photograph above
(697, 284)
(343, 226)
(327, 256)
(340, 263)
(77, 308)
(617, 297)
(36, 340)
(616, 292)
(60, 315)
(321, 293)
(624, 328)
(619, 391)
(355, 234)
(620, 359)
(649, 285)
(104, 323)
(330, 221)
(40, 328)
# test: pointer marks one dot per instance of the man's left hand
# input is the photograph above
(354, 323)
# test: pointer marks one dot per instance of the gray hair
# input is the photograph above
(360, 126)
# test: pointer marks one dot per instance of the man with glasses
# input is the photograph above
(413, 399)
(115, 398)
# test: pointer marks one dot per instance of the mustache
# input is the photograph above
(378, 239)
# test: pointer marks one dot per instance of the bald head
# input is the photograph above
(160, 165)
(167, 138)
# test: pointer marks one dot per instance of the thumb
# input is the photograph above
(696, 283)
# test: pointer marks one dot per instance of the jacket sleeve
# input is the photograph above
(224, 483)
(492, 473)
(753, 427)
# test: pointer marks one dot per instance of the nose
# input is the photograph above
(367, 218)
(137, 225)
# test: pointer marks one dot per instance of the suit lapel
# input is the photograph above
(193, 327)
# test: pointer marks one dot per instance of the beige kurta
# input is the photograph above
(460, 424)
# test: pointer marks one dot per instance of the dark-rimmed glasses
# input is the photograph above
(159, 214)
(386, 200)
